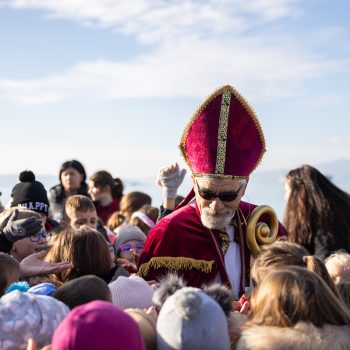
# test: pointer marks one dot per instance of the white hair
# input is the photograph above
(341, 257)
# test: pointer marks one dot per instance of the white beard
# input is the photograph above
(214, 220)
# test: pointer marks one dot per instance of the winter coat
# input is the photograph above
(302, 336)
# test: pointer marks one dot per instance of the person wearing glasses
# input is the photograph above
(34, 240)
(203, 240)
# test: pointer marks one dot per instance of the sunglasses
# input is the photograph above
(39, 235)
(223, 196)
(127, 246)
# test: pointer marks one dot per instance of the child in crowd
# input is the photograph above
(338, 266)
(293, 308)
(102, 190)
(132, 202)
(25, 315)
(282, 254)
(188, 314)
(131, 292)
(129, 243)
(189, 320)
(145, 218)
(79, 211)
(9, 272)
(82, 290)
(97, 325)
(31, 243)
(32, 195)
(87, 250)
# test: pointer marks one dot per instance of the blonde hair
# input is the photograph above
(341, 257)
(76, 203)
(283, 253)
(115, 220)
(133, 201)
(294, 294)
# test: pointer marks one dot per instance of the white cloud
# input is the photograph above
(160, 20)
(196, 47)
(193, 68)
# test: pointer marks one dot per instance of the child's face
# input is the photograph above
(79, 218)
(30, 245)
(98, 193)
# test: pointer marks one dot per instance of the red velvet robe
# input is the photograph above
(179, 242)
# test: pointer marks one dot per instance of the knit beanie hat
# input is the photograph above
(97, 325)
(191, 320)
(128, 233)
(131, 292)
(30, 194)
(24, 316)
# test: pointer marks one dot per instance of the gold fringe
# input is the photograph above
(175, 263)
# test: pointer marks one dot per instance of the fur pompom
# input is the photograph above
(222, 295)
(167, 287)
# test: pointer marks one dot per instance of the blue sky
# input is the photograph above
(113, 83)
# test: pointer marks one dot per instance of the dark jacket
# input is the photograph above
(57, 197)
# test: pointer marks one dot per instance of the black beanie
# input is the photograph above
(30, 194)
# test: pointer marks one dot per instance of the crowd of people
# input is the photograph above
(84, 265)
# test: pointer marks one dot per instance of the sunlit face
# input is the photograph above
(97, 193)
(27, 246)
(79, 218)
(71, 179)
(215, 213)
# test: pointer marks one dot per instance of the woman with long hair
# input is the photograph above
(317, 213)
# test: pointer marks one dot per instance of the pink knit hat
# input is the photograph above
(131, 292)
(97, 325)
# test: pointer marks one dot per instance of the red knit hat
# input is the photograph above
(223, 138)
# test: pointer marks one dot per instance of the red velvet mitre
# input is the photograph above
(223, 138)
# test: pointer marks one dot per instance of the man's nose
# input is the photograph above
(216, 204)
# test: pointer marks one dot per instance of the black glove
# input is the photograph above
(18, 229)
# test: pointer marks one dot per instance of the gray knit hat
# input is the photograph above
(128, 233)
(191, 320)
(25, 315)
(131, 292)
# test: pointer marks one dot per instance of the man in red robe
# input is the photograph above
(204, 240)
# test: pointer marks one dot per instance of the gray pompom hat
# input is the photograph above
(191, 320)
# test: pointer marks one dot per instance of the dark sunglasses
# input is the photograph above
(223, 196)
